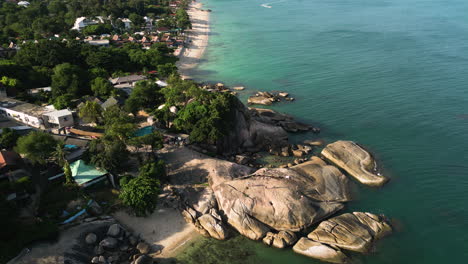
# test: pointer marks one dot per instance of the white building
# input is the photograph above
(127, 23)
(61, 118)
(25, 113)
(34, 115)
(23, 3)
(83, 22)
(98, 42)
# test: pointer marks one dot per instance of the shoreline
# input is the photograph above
(198, 36)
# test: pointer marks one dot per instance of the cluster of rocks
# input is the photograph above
(296, 150)
(118, 246)
(287, 122)
(351, 231)
(268, 98)
(220, 87)
(275, 205)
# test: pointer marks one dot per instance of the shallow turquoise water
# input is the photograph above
(389, 74)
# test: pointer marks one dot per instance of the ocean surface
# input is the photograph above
(391, 75)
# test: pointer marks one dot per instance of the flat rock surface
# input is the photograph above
(355, 160)
(319, 251)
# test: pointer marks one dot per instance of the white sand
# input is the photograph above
(165, 229)
(191, 56)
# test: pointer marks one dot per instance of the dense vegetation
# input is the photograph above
(46, 18)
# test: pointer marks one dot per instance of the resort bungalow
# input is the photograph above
(83, 22)
(98, 42)
(127, 80)
(86, 175)
(60, 118)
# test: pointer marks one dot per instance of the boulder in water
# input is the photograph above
(355, 232)
(355, 160)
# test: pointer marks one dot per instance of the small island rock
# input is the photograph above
(355, 232)
(355, 160)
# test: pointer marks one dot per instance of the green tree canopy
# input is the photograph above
(63, 101)
(8, 138)
(37, 146)
(101, 87)
(153, 169)
(90, 112)
(146, 95)
(109, 153)
(69, 79)
(140, 194)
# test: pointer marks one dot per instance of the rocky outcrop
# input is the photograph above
(282, 199)
(250, 134)
(351, 231)
(355, 232)
(281, 239)
(355, 160)
(261, 100)
(199, 207)
(213, 224)
(287, 122)
(319, 251)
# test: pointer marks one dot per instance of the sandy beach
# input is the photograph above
(198, 39)
(165, 229)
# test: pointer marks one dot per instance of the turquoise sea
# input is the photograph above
(389, 74)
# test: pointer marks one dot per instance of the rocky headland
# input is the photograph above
(279, 205)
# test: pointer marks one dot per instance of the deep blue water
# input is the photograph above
(391, 75)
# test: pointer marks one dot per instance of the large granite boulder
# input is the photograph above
(319, 251)
(250, 134)
(281, 199)
(355, 160)
(355, 232)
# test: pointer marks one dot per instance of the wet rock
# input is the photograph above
(114, 230)
(298, 153)
(95, 260)
(356, 161)
(144, 259)
(133, 240)
(143, 247)
(91, 238)
(109, 242)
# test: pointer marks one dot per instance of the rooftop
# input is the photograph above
(22, 107)
(59, 113)
(129, 78)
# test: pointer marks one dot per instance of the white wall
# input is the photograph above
(22, 117)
